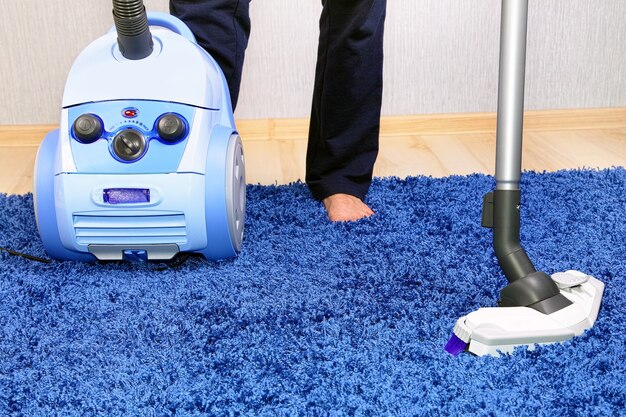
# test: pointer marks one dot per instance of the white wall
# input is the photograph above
(441, 55)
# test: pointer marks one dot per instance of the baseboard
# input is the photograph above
(443, 124)
(436, 124)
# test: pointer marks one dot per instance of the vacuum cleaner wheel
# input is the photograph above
(235, 191)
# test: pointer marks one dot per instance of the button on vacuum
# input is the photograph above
(88, 128)
(171, 127)
(129, 145)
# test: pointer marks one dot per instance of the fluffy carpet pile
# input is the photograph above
(315, 318)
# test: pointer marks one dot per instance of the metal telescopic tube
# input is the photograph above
(511, 94)
(527, 286)
(506, 227)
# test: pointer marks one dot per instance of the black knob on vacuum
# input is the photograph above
(88, 128)
(171, 127)
(129, 145)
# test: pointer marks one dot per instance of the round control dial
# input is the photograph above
(171, 127)
(88, 128)
(129, 145)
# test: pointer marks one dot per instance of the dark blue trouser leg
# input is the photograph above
(345, 115)
(222, 28)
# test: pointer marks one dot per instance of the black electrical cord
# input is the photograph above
(180, 259)
(25, 255)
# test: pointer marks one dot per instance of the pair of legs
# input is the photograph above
(345, 113)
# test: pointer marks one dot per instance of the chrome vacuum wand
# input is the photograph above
(501, 208)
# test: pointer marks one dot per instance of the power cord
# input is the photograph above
(178, 261)
(24, 255)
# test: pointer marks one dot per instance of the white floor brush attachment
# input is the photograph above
(489, 331)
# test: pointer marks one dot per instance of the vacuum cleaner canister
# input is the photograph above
(147, 162)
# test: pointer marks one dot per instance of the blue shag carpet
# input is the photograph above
(319, 319)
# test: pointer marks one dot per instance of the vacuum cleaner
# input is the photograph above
(147, 161)
(535, 308)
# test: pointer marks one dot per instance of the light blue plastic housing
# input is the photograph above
(171, 195)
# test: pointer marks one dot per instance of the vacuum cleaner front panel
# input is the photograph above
(131, 211)
(129, 136)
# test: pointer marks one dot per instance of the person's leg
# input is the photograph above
(345, 114)
(222, 28)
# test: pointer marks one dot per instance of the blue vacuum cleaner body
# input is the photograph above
(147, 162)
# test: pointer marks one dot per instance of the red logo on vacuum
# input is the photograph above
(130, 112)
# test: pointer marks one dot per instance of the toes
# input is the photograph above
(346, 208)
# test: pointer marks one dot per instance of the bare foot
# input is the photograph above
(346, 208)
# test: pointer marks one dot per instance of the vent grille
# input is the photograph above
(131, 230)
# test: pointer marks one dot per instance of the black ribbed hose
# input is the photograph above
(133, 33)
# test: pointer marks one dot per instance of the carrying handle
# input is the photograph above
(170, 22)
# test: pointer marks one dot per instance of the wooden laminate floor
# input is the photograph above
(434, 145)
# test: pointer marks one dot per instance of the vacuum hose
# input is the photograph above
(133, 34)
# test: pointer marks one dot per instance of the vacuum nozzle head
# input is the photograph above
(133, 33)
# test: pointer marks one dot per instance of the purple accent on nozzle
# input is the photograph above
(455, 345)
